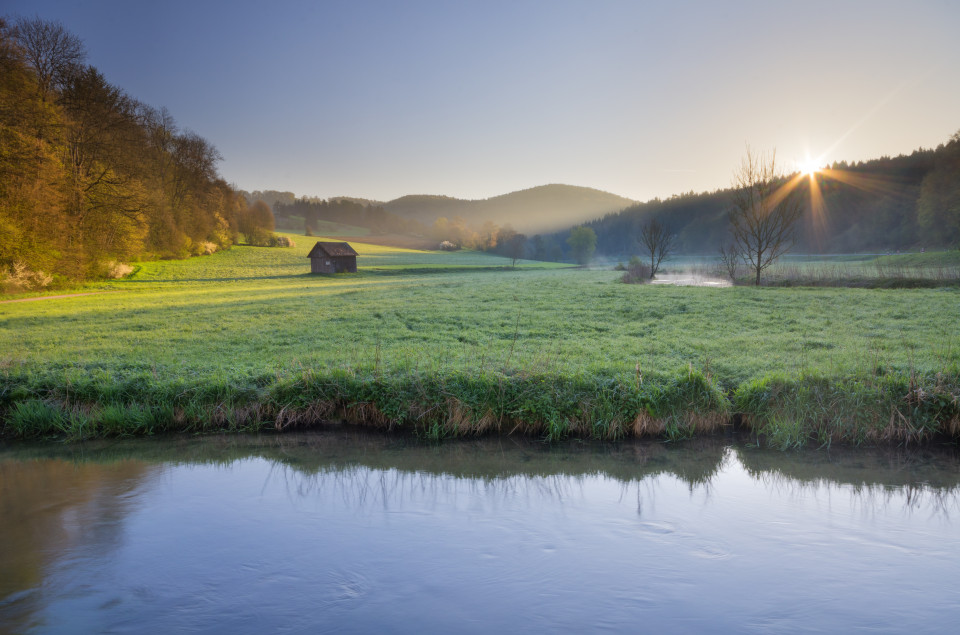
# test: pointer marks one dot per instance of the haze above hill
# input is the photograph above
(539, 209)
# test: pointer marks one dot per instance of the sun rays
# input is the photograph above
(814, 174)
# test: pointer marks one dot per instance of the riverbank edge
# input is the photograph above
(783, 411)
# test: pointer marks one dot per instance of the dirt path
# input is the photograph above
(54, 297)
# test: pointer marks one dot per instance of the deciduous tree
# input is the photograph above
(51, 50)
(582, 242)
(658, 243)
(766, 208)
(511, 244)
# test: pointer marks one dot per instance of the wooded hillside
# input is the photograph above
(89, 176)
(905, 202)
(537, 209)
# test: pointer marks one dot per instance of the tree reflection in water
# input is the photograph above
(62, 506)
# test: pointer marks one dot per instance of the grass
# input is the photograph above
(459, 343)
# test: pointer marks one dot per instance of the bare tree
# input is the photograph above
(515, 247)
(730, 259)
(766, 208)
(50, 49)
(658, 242)
(511, 244)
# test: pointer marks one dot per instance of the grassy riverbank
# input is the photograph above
(459, 343)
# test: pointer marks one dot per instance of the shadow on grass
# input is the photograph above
(291, 276)
(447, 269)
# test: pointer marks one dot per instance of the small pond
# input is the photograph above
(341, 531)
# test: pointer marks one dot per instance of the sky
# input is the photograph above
(476, 99)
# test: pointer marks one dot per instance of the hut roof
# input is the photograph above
(331, 250)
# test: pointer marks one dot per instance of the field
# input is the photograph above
(459, 343)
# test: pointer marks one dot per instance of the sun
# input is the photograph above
(808, 167)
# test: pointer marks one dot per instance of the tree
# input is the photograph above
(938, 208)
(730, 259)
(51, 50)
(256, 223)
(582, 241)
(488, 235)
(658, 242)
(511, 244)
(766, 208)
(105, 198)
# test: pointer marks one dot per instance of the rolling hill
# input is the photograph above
(538, 209)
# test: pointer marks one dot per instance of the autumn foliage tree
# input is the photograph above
(256, 223)
(90, 176)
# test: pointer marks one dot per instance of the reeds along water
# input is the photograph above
(785, 410)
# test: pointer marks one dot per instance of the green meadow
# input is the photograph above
(459, 343)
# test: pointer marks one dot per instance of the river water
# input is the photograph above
(341, 531)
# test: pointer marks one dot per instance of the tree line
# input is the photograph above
(886, 204)
(305, 213)
(503, 239)
(90, 176)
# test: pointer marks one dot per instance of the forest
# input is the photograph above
(92, 178)
(883, 205)
(344, 211)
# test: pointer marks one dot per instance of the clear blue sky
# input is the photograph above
(475, 99)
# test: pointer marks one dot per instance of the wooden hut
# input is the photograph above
(332, 258)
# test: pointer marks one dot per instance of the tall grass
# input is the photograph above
(787, 411)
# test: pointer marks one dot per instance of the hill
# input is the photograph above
(882, 205)
(538, 209)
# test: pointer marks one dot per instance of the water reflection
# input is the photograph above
(691, 279)
(54, 509)
(923, 479)
(358, 532)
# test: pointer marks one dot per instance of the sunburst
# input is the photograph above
(809, 167)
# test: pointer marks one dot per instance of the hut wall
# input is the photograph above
(323, 264)
(343, 264)
(333, 264)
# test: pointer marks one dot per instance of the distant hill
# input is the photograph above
(538, 209)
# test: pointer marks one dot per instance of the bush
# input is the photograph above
(259, 237)
(206, 248)
(118, 269)
(264, 238)
(21, 278)
(636, 272)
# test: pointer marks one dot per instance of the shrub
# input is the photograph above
(21, 278)
(118, 269)
(636, 272)
(259, 237)
(206, 247)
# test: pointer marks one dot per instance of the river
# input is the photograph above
(343, 531)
